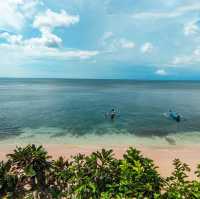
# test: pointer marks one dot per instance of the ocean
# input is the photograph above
(72, 111)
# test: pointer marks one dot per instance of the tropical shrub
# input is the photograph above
(8, 182)
(30, 173)
(139, 177)
(178, 186)
(94, 174)
(30, 165)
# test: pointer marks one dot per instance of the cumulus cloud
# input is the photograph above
(113, 43)
(40, 48)
(15, 12)
(47, 44)
(47, 39)
(179, 60)
(51, 20)
(147, 48)
(161, 72)
(23, 50)
(47, 22)
(11, 39)
(191, 28)
(124, 43)
(193, 58)
(121, 43)
(189, 59)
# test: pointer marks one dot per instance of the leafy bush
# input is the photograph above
(139, 177)
(178, 186)
(8, 182)
(30, 173)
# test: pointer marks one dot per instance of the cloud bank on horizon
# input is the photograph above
(146, 39)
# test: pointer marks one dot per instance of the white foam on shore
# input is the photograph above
(113, 138)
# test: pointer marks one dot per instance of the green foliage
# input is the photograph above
(30, 164)
(29, 173)
(8, 182)
(177, 185)
(139, 177)
(94, 174)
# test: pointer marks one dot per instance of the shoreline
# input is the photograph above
(162, 156)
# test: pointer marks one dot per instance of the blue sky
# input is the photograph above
(134, 39)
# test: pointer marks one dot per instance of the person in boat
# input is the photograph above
(112, 114)
(178, 118)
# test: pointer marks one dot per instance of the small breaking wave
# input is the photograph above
(113, 137)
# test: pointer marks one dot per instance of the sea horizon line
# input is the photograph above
(105, 79)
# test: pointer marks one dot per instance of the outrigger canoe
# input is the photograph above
(175, 116)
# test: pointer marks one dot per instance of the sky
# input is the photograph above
(115, 39)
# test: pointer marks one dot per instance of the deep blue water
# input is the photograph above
(78, 106)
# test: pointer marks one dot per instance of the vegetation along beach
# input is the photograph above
(71, 117)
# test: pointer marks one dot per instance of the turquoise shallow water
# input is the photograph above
(73, 111)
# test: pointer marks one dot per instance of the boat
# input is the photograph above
(175, 116)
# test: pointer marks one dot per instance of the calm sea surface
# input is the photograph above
(70, 110)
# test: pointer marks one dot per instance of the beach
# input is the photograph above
(162, 156)
(79, 77)
(67, 116)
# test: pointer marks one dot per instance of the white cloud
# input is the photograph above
(184, 60)
(147, 47)
(191, 28)
(51, 20)
(46, 23)
(30, 7)
(12, 39)
(161, 72)
(26, 52)
(113, 43)
(179, 11)
(15, 12)
(47, 39)
(120, 43)
(15, 49)
(47, 44)
(124, 43)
